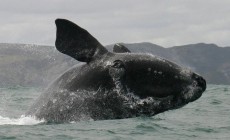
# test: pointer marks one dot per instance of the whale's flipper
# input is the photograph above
(76, 42)
(119, 48)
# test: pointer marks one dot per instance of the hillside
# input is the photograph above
(209, 60)
(31, 65)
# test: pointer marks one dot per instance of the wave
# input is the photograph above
(22, 120)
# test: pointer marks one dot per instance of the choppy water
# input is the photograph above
(207, 118)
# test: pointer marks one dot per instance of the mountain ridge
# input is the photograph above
(39, 65)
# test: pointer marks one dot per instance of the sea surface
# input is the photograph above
(208, 118)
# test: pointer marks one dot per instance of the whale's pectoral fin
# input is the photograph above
(76, 41)
(119, 48)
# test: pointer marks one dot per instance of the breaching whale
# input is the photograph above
(112, 85)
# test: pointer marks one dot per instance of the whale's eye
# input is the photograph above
(118, 64)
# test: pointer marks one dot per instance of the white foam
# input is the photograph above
(23, 120)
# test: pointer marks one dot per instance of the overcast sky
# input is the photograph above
(163, 22)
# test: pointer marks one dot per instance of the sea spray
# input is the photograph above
(23, 120)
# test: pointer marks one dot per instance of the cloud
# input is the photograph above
(167, 23)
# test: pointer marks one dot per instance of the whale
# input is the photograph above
(112, 85)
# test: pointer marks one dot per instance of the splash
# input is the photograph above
(23, 120)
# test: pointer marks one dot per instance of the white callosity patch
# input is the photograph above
(185, 72)
(160, 72)
(190, 91)
(157, 72)
(156, 57)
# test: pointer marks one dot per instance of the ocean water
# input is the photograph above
(207, 118)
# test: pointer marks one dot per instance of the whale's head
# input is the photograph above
(146, 75)
(161, 84)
